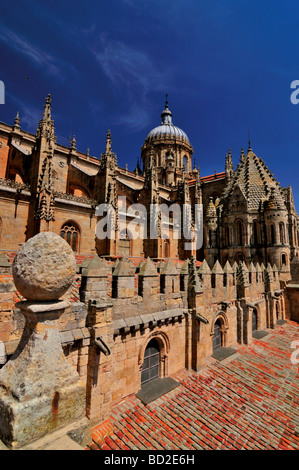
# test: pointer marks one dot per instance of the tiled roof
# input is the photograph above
(247, 402)
(205, 179)
(256, 182)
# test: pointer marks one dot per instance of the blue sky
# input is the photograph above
(226, 65)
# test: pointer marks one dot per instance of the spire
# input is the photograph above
(229, 167)
(73, 145)
(249, 143)
(108, 158)
(47, 106)
(193, 281)
(46, 125)
(108, 142)
(17, 122)
(166, 114)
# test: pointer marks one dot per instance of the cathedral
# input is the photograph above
(45, 186)
(138, 309)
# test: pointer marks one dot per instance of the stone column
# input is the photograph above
(40, 392)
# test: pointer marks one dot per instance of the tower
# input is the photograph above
(170, 150)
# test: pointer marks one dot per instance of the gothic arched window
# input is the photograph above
(185, 163)
(272, 234)
(226, 236)
(239, 233)
(255, 232)
(282, 233)
(71, 234)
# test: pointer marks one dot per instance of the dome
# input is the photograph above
(167, 129)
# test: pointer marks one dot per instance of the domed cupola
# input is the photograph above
(168, 142)
(167, 130)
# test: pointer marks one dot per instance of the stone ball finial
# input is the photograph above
(44, 267)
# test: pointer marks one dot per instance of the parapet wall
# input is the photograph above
(116, 309)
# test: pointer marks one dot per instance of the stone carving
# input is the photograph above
(44, 267)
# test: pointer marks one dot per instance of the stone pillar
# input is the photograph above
(148, 282)
(169, 279)
(40, 392)
(199, 322)
(99, 391)
(228, 281)
(94, 280)
(123, 280)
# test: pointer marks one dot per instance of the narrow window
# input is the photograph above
(70, 233)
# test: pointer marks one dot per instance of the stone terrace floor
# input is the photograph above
(248, 401)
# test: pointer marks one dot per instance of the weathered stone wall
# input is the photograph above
(116, 309)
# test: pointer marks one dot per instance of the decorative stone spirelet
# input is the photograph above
(44, 267)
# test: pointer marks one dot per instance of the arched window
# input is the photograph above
(151, 362)
(70, 233)
(283, 258)
(282, 233)
(185, 163)
(255, 233)
(239, 257)
(272, 234)
(239, 233)
(217, 338)
(166, 248)
(210, 238)
(226, 235)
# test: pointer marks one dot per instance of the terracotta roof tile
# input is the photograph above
(249, 402)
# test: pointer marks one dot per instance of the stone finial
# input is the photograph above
(194, 282)
(40, 391)
(160, 266)
(115, 264)
(217, 269)
(108, 142)
(251, 268)
(235, 266)
(169, 268)
(44, 267)
(73, 144)
(258, 268)
(17, 121)
(5, 265)
(140, 266)
(124, 268)
(148, 269)
(242, 274)
(185, 267)
(96, 268)
(204, 268)
(227, 268)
